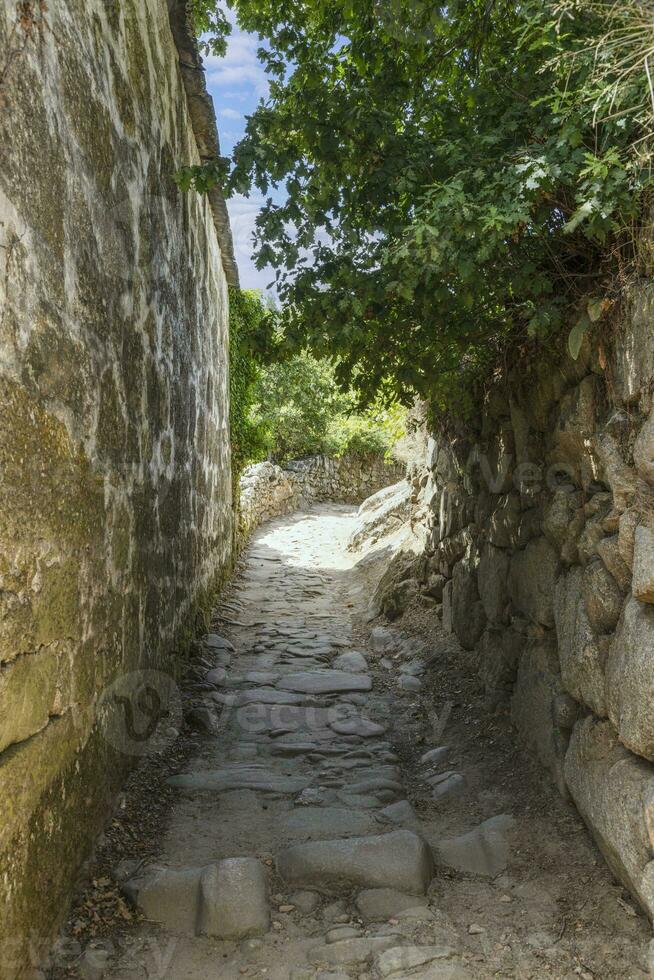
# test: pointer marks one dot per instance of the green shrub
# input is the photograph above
(373, 432)
(250, 323)
(298, 409)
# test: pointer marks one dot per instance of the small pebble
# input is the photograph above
(506, 899)
(475, 930)
(286, 908)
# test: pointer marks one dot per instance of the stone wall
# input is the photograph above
(540, 557)
(269, 491)
(115, 503)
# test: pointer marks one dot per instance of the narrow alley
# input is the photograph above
(351, 808)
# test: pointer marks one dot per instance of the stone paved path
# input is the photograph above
(293, 851)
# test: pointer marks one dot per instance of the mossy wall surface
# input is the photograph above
(115, 484)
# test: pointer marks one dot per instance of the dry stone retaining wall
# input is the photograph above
(268, 490)
(540, 550)
(115, 501)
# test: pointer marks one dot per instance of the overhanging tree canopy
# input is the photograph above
(456, 186)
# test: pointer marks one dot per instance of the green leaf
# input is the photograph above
(579, 215)
(595, 308)
(576, 336)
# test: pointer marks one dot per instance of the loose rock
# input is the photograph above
(234, 900)
(380, 904)
(400, 860)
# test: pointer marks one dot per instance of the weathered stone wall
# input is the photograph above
(269, 491)
(115, 503)
(540, 554)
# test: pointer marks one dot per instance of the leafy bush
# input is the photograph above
(299, 410)
(372, 432)
(249, 325)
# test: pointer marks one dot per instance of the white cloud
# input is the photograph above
(240, 66)
(243, 213)
(228, 113)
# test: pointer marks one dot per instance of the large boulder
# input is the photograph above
(580, 654)
(558, 515)
(456, 511)
(468, 617)
(227, 900)
(396, 588)
(614, 792)
(628, 523)
(643, 581)
(492, 575)
(383, 513)
(499, 655)
(644, 450)
(603, 598)
(609, 551)
(630, 678)
(504, 523)
(399, 860)
(532, 578)
(620, 477)
(634, 348)
(541, 709)
(574, 431)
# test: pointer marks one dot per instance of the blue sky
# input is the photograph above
(237, 82)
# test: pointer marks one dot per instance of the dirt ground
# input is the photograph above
(544, 906)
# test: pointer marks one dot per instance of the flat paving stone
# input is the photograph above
(221, 780)
(325, 682)
(360, 727)
(262, 677)
(349, 950)
(338, 933)
(259, 695)
(401, 813)
(328, 821)
(399, 960)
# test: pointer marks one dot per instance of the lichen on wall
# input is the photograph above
(115, 484)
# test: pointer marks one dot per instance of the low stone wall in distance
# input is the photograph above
(269, 491)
